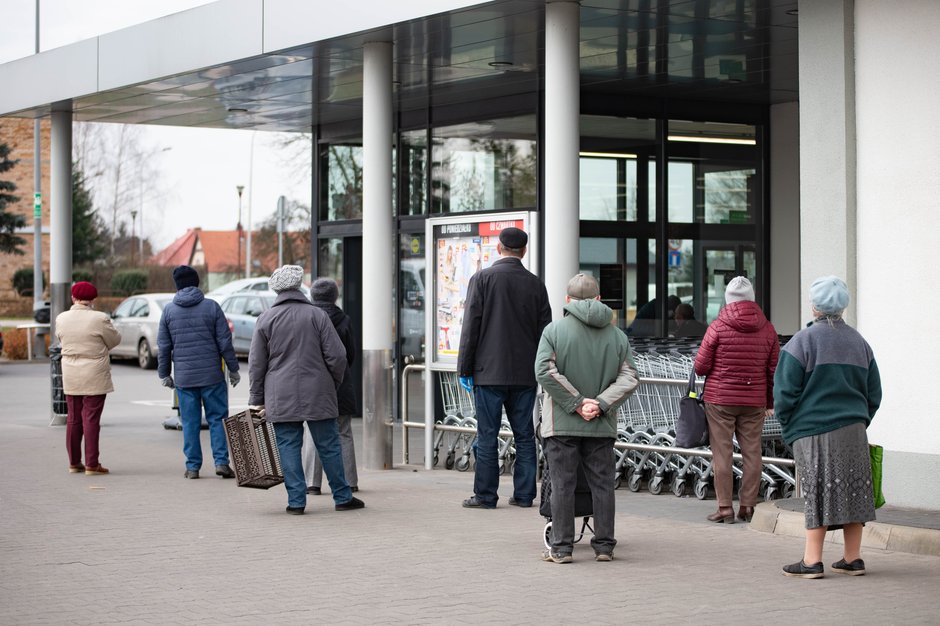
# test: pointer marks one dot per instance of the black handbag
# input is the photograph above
(691, 425)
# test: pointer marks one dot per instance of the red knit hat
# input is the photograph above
(84, 291)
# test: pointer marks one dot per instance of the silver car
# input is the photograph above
(242, 310)
(137, 319)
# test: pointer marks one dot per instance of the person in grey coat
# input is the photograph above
(295, 364)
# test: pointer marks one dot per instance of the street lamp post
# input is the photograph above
(238, 225)
(133, 230)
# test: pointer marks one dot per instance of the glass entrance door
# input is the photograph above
(721, 264)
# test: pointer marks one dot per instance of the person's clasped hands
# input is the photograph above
(589, 409)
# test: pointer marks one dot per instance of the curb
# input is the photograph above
(769, 518)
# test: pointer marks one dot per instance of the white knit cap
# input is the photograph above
(739, 289)
(286, 277)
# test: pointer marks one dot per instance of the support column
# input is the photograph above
(562, 143)
(378, 255)
(827, 147)
(60, 239)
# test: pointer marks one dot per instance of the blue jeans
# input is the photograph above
(192, 400)
(325, 434)
(519, 401)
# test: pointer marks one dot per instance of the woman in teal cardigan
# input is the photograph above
(826, 392)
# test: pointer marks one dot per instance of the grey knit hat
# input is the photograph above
(829, 295)
(286, 277)
(324, 290)
(739, 289)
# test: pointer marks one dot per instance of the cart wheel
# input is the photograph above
(656, 485)
(618, 480)
(701, 490)
(547, 535)
(502, 467)
(786, 491)
(770, 493)
(463, 464)
(434, 461)
(634, 483)
(449, 461)
(679, 486)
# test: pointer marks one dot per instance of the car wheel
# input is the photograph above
(145, 356)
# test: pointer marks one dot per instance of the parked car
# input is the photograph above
(257, 284)
(242, 310)
(137, 319)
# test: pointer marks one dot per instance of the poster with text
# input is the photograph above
(460, 251)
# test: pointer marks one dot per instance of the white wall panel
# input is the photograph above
(213, 34)
(50, 76)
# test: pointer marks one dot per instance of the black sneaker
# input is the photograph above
(316, 491)
(295, 510)
(352, 505)
(802, 570)
(191, 474)
(855, 568)
(224, 471)
(556, 557)
(520, 503)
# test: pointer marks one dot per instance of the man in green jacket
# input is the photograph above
(586, 369)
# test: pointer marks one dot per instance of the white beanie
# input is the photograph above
(739, 289)
(286, 277)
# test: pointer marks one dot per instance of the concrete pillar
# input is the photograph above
(378, 255)
(60, 240)
(827, 146)
(561, 147)
(784, 260)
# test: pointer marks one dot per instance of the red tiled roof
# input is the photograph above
(180, 252)
(220, 248)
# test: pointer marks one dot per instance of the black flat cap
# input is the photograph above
(513, 238)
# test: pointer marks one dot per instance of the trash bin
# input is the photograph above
(60, 408)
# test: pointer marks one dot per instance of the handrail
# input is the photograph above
(405, 424)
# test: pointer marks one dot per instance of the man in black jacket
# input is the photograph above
(507, 308)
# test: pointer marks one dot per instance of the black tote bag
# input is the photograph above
(691, 425)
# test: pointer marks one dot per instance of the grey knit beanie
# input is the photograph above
(287, 277)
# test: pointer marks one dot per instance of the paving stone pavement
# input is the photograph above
(145, 546)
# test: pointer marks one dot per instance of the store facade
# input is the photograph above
(664, 146)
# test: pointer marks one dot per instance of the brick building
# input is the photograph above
(18, 135)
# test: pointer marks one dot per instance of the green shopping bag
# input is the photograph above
(877, 457)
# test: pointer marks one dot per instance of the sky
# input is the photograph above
(199, 169)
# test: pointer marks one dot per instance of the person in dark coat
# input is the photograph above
(324, 292)
(738, 356)
(195, 338)
(295, 364)
(507, 308)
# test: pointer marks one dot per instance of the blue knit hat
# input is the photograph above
(829, 294)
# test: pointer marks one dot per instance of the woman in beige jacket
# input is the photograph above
(87, 337)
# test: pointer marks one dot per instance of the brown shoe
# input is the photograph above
(76, 469)
(724, 515)
(745, 513)
(101, 469)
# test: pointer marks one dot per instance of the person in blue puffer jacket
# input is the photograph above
(194, 336)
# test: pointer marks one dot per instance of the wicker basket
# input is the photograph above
(253, 449)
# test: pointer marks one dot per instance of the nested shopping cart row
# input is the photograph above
(645, 453)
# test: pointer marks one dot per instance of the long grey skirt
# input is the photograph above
(835, 476)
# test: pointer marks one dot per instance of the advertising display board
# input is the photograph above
(458, 248)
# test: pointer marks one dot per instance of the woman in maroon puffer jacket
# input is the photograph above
(738, 356)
